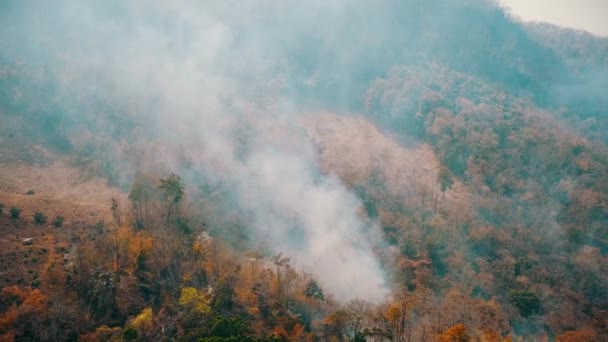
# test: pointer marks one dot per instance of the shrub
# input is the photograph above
(58, 221)
(30, 192)
(527, 302)
(39, 217)
(15, 213)
(1, 208)
(129, 333)
(139, 224)
(183, 226)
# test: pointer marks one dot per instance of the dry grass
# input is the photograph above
(59, 189)
(354, 149)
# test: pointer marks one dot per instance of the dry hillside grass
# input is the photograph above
(355, 150)
(59, 189)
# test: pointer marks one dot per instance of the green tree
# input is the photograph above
(526, 301)
(58, 221)
(15, 213)
(129, 333)
(445, 179)
(173, 192)
(39, 217)
(313, 290)
(224, 299)
(229, 327)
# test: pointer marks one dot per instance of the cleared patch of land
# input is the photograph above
(56, 189)
(356, 150)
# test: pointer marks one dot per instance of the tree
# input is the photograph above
(457, 333)
(224, 300)
(527, 302)
(229, 329)
(393, 314)
(142, 192)
(116, 212)
(58, 221)
(15, 213)
(192, 300)
(336, 324)
(358, 310)
(254, 257)
(173, 192)
(26, 317)
(445, 179)
(297, 333)
(399, 314)
(280, 261)
(143, 323)
(101, 294)
(118, 244)
(39, 217)
(313, 290)
(445, 182)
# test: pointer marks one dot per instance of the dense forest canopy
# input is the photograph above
(346, 170)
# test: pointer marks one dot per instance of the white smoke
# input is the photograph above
(183, 69)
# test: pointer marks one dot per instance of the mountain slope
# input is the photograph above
(410, 170)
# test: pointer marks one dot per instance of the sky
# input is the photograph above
(588, 15)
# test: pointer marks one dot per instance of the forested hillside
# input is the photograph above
(392, 170)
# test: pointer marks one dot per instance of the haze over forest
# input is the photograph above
(391, 170)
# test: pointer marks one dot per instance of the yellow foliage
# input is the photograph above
(141, 242)
(192, 299)
(457, 333)
(104, 329)
(102, 333)
(393, 313)
(188, 296)
(143, 320)
(124, 233)
(197, 248)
